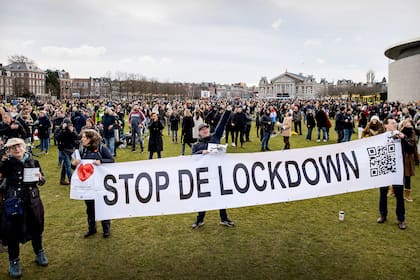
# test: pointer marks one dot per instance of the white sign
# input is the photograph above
(205, 94)
(218, 180)
(31, 175)
(83, 182)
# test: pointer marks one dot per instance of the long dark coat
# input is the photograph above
(32, 220)
(187, 127)
(155, 137)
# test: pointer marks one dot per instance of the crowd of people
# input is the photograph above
(98, 127)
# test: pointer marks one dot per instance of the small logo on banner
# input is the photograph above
(85, 171)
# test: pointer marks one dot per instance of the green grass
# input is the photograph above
(295, 240)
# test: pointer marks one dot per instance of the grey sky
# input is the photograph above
(221, 41)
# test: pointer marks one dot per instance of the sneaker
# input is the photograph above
(227, 223)
(402, 225)
(381, 220)
(197, 225)
(41, 259)
(14, 269)
(325, 140)
(90, 233)
(318, 140)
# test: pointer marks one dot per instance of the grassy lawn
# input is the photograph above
(295, 240)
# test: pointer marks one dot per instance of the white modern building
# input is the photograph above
(289, 85)
(404, 71)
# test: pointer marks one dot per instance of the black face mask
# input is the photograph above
(407, 131)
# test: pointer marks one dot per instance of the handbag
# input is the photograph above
(13, 206)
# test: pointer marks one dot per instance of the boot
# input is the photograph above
(391, 192)
(41, 259)
(14, 269)
(106, 226)
(64, 183)
(407, 195)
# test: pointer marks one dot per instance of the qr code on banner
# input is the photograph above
(382, 160)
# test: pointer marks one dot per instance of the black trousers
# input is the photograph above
(298, 127)
(14, 232)
(383, 202)
(90, 211)
(222, 212)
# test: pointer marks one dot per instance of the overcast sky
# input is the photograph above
(212, 40)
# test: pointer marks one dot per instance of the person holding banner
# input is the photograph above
(390, 125)
(201, 147)
(22, 217)
(92, 149)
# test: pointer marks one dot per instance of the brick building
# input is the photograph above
(28, 79)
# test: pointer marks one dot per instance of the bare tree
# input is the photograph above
(19, 58)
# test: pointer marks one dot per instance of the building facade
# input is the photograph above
(404, 71)
(82, 87)
(66, 82)
(289, 85)
(28, 79)
(6, 83)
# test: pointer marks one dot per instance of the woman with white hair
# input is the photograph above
(22, 216)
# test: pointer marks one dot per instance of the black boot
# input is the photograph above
(106, 227)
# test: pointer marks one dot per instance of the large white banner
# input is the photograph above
(218, 180)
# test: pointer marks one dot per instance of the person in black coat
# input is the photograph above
(174, 124)
(25, 220)
(44, 128)
(187, 128)
(67, 140)
(10, 128)
(92, 149)
(321, 122)
(239, 122)
(155, 136)
(310, 124)
(201, 147)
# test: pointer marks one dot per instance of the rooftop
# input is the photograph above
(403, 49)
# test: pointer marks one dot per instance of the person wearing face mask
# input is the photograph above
(22, 217)
(411, 156)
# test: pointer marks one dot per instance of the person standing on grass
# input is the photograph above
(67, 141)
(239, 122)
(297, 119)
(155, 136)
(174, 123)
(286, 130)
(108, 121)
(266, 129)
(310, 124)
(201, 148)
(339, 124)
(22, 217)
(136, 122)
(411, 156)
(390, 125)
(187, 130)
(93, 149)
(321, 122)
(198, 119)
(348, 125)
(44, 126)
